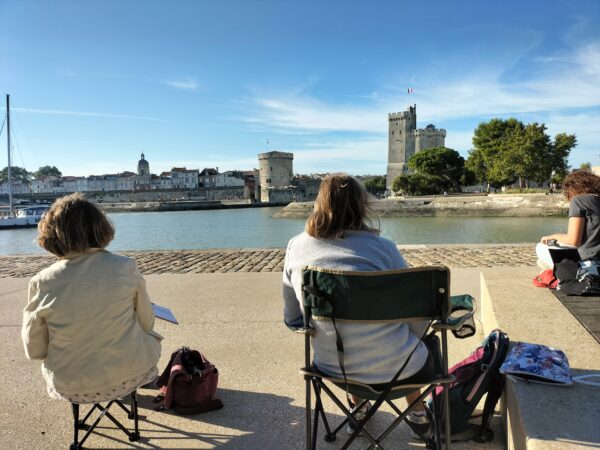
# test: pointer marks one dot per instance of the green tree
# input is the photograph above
(476, 165)
(375, 184)
(506, 150)
(16, 173)
(421, 184)
(47, 171)
(586, 166)
(440, 161)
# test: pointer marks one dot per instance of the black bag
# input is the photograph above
(476, 375)
(578, 278)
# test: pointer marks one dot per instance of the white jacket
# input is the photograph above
(89, 319)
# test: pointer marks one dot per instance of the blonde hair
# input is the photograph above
(74, 225)
(342, 204)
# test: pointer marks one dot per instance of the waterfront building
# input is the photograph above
(17, 187)
(207, 178)
(165, 180)
(46, 185)
(126, 181)
(405, 140)
(183, 178)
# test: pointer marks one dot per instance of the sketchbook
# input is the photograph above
(164, 313)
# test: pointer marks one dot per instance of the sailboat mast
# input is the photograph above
(10, 199)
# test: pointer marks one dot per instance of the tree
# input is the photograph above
(375, 184)
(16, 173)
(441, 162)
(506, 150)
(421, 184)
(47, 171)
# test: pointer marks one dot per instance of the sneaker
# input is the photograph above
(359, 414)
(420, 424)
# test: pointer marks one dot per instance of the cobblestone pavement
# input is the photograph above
(271, 260)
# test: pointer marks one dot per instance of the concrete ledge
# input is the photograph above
(538, 416)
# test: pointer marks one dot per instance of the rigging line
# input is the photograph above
(3, 123)
(14, 136)
(27, 137)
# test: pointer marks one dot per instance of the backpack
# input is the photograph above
(189, 383)
(475, 376)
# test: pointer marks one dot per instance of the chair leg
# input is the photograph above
(308, 417)
(329, 436)
(75, 444)
(135, 436)
(447, 431)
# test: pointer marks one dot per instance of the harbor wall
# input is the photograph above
(493, 205)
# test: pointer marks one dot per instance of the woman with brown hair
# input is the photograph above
(339, 235)
(582, 190)
(88, 315)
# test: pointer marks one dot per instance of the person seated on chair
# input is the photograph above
(88, 315)
(582, 190)
(339, 235)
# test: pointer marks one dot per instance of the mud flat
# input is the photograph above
(525, 205)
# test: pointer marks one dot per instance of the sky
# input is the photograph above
(213, 83)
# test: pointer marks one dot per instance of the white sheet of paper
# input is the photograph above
(164, 313)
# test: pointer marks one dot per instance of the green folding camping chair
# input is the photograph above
(418, 294)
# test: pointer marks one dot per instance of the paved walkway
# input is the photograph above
(271, 260)
(236, 320)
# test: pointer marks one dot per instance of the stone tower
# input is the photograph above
(143, 168)
(276, 169)
(404, 140)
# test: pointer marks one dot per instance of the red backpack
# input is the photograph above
(189, 383)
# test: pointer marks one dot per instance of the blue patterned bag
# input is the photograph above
(538, 363)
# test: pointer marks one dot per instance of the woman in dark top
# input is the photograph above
(582, 189)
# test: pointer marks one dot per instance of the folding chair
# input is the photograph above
(81, 425)
(419, 294)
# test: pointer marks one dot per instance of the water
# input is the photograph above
(255, 228)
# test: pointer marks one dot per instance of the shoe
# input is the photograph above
(420, 424)
(358, 415)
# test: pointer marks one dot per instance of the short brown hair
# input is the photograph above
(74, 225)
(342, 204)
(581, 182)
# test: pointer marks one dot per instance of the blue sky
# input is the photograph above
(206, 83)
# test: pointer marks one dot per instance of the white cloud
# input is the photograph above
(569, 80)
(63, 112)
(188, 84)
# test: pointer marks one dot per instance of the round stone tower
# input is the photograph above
(275, 169)
(143, 168)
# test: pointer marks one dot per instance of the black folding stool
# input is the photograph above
(132, 413)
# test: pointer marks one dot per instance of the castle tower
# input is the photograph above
(405, 140)
(143, 167)
(401, 142)
(275, 169)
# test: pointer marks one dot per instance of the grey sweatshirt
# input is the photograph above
(373, 352)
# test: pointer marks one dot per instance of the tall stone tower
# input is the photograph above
(143, 167)
(404, 140)
(276, 169)
(401, 142)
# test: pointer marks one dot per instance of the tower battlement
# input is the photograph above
(275, 155)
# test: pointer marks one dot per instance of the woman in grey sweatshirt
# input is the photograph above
(338, 235)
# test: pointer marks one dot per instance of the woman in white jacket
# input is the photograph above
(88, 315)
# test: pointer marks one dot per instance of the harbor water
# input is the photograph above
(255, 228)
